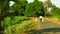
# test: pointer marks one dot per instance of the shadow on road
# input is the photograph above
(44, 31)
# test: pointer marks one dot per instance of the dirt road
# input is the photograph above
(46, 27)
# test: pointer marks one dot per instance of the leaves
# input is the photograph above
(55, 11)
(34, 9)
(12, 21)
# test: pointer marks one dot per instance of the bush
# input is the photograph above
(18, 19)
(58, 16)
(9, 22)
(18, 28)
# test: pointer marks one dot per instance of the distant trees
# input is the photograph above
(38, 5)
(18, 8)
(23, 8)
(14, 10)
(29, 10)
(55, 11)
(34, 9)
(47, 4)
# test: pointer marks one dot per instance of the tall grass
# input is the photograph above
(58, 17)
(15, 20)
(18, 28)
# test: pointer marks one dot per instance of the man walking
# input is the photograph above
(41, 18)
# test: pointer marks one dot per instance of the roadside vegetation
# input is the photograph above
(22, 15)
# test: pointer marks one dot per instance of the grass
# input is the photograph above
(54, 19)
(32, 24)
(57, 17)
(18, 28)
(9, 22)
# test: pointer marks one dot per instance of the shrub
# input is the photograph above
(9, 22)
(18, 28)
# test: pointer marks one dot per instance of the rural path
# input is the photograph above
(49, 24)
(44, 26)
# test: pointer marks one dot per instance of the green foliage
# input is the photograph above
(6, 22)
(46, 5)
(18, 7)
(55, 11)
(58, 16)
(18, 28)
(18, 19)
(34, 9)
(29, 10)
(4, 6)
(15, 20)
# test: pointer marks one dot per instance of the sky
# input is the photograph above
(11, 3)
(55, 2)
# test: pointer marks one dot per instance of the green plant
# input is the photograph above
(18, 28)
(9, 22)
(18, 19)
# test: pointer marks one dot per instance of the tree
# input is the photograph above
(18, 7)
(38, 5)
(34, 9)
(30, 10)
(4, 6)
(47, 4)
(55, 11)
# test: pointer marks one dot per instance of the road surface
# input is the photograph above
(47, 27)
